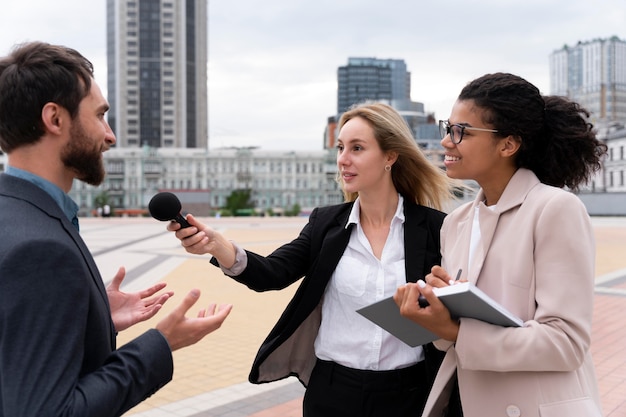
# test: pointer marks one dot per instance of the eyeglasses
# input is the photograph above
(456, 131)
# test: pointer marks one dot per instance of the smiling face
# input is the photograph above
(481, 156)
(477, 155)
(360, 160)
(90, 136)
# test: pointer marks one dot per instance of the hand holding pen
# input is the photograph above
(437, 278)
(436, 317)
(458, 275)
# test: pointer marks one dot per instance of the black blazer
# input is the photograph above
(57, 340)
(314, 254)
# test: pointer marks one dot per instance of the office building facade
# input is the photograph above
(592, 73)
(372, 79)
(157, 72)
(383, 80)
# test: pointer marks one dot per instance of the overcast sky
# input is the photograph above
(273, 63)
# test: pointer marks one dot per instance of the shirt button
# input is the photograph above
(513, 411)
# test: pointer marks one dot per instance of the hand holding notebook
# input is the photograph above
(462, 300)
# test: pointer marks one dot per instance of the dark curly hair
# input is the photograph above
(34, 74)
(558, 143)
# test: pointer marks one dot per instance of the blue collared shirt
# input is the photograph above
(69, 207)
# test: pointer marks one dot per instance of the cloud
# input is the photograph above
(273, 64)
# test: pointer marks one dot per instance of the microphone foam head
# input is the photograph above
(164, 206)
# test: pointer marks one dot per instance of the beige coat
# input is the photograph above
(536, 257)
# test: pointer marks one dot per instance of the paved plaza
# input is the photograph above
(210, 378)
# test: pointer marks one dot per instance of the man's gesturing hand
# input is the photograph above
(181, 331)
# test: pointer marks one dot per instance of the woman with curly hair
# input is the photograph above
(527, 243)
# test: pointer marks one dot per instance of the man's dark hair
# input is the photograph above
(32, 75)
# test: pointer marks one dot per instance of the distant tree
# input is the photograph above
(101, 199)
(295, 210)
(239, 200)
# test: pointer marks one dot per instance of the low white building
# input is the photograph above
(204, 179)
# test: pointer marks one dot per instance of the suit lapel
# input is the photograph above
(333, 246)
(26, 191)
(334, 240)
(463, 237)
(443, 385)
(82, 247)
(415, 242)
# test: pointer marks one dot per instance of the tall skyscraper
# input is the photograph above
(385, 80)
(157, 72)
(373, 79)
(592, 73)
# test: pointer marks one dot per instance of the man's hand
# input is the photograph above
(181, 331)
(131, 308)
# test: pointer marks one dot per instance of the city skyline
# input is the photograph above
(593, 74)
(273, 69)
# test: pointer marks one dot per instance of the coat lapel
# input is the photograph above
(464, 233)
(443, 385)
(513, 196)
(488, 220)
(26, 191)
(415, 242)
(332, 248)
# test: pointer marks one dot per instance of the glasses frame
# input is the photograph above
(445, 128)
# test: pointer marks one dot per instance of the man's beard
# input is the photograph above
(84, 160)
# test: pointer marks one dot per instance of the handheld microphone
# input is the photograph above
(166, 207)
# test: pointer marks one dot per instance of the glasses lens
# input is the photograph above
(456, 134)
(443, 128)
(455, 131)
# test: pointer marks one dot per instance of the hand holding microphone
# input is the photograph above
(166, 206)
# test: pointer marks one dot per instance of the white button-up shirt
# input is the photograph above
(360, 279)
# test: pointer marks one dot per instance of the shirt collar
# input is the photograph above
(69, 207)
(355, 212)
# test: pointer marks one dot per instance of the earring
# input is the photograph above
(387, 168)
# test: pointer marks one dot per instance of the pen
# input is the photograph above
(458, 275)
(422, 300)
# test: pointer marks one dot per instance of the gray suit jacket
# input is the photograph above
(57, 340)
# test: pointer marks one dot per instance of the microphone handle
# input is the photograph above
(181, 220)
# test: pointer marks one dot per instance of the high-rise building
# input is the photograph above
(592, 73)
(372, 79)
(384, 80)
(157, 72)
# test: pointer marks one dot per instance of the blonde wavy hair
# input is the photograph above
(414, 176)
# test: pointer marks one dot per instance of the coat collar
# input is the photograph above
(516, 191)
(415, 239)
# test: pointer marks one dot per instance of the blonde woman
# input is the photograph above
(350, 255)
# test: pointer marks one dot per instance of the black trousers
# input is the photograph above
(337, 391)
